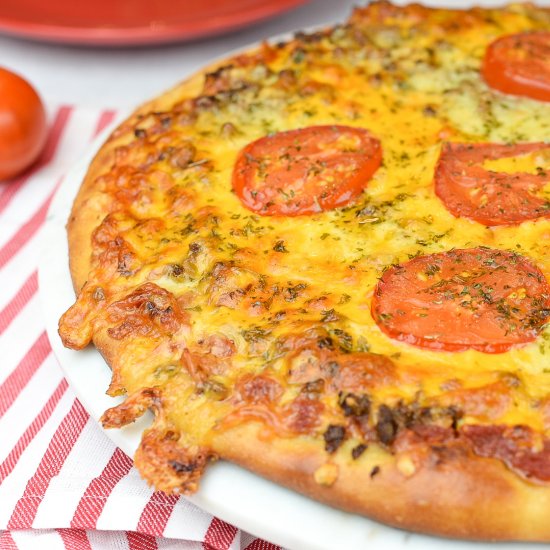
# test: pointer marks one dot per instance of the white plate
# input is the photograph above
(227, 491)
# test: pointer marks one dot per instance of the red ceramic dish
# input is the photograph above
(132, 22)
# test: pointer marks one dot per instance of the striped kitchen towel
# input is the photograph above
(63, 483)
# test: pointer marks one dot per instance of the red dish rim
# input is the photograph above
(159, 33)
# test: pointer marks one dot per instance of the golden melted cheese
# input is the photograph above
(413, 81)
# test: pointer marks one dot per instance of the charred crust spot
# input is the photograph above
(140, 133)
(173, 467)
(334, 437)
(354, 405)
(280, 246)
(195, 248)
(357, 451)
(180, 467)
(426, 422)
(175, 270)
(411, 415)
(386, 426)
(375, 471)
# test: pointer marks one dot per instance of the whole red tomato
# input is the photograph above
(22, 124)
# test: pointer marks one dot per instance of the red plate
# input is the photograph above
(132, 22)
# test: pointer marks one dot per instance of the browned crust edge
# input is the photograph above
(471, 498)
(465, 497)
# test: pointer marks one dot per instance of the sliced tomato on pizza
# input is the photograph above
(307, 170)
(480, 298)
(519, 64)
(471, 190)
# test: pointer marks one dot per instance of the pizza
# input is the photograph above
(327, 259)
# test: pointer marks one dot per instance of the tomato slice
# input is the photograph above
(305, 171)
(479, 298)
(492, 198)
(519, 64)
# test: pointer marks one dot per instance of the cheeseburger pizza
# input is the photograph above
(328, 260)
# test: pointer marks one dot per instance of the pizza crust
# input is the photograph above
(474, 498)
(459, 496)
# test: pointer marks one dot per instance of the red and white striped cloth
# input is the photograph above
(63, 483)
